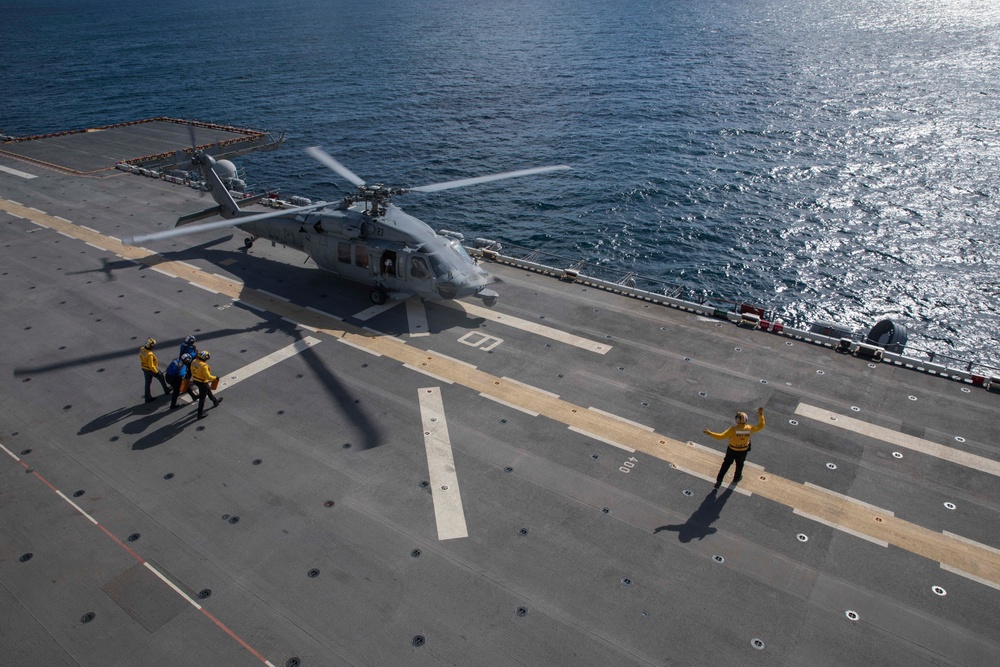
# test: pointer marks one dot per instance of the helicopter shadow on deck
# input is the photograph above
(370, 435)
(306, 285)
(699, 525)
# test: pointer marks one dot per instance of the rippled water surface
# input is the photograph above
(831, 159)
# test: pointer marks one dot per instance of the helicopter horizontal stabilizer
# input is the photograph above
(216, 210)
(200, 215)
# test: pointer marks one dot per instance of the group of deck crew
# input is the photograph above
(188, 371)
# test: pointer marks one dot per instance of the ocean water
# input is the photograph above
(829, 159)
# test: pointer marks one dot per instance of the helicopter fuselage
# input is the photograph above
(392, 251)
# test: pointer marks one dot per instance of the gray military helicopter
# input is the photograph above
(364, 237)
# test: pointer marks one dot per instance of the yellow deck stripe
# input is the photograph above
(956, 553)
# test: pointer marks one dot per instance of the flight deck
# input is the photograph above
(442, 483)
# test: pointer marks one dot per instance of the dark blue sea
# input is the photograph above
(830, 159)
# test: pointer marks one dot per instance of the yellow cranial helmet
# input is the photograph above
(204, 355)
(150, 343)
(741, 417)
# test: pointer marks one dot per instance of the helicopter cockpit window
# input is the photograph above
(440, 267)
(344, 252)
(460, 250)
(361, 257)
(418, 269)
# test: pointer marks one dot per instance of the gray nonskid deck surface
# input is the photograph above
(578, 552)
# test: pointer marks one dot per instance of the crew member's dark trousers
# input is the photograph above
(149, 379)
(204, 389)
(175, 385)
(732, 455)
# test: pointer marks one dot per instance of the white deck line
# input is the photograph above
(622, 419)
(17, 172)
(358, 347)
(452, 359)
(428, 374)
(416, 317)
(448, 511)
(599, 438)
(207, 289)
(839, 527)
(369, 313)
(531, 327)
(171, 584)
(76, 507)
(509, 405)
(164, 272)
(528, 386)
(266, 362)
(962, 573)
(899, 439)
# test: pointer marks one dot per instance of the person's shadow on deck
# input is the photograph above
(699, 525)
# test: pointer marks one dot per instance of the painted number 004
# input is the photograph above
(628, 465)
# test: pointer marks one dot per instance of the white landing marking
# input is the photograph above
(12, 454)
(200, 286)
(416, 317)
(428, 374)
(448, 511)
(622, 419)
(76, 507)
(15, 172)
(509, 405)
(369, 313)
(528, 386)
(532, 327)
(898, 439)
(358, 347)
(262, 364)
(171, 584)
(845, 529)
(962, 573)
(602, 439)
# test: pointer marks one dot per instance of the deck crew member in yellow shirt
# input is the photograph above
(202, 376)
(739, 444)
(150, 368)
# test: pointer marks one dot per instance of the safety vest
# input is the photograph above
(739, 441)
(148, 360)
(201, 372)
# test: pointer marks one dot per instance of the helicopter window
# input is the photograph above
(418, 269)
(344, 252)
(361, 257)
(460, 250)
(440, 267)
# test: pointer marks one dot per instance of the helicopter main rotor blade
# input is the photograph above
(435, 187)
(319, 154)
(219, 224)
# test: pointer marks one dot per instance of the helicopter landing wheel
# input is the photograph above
(379, 296)
(490, 302)
(247, 243)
